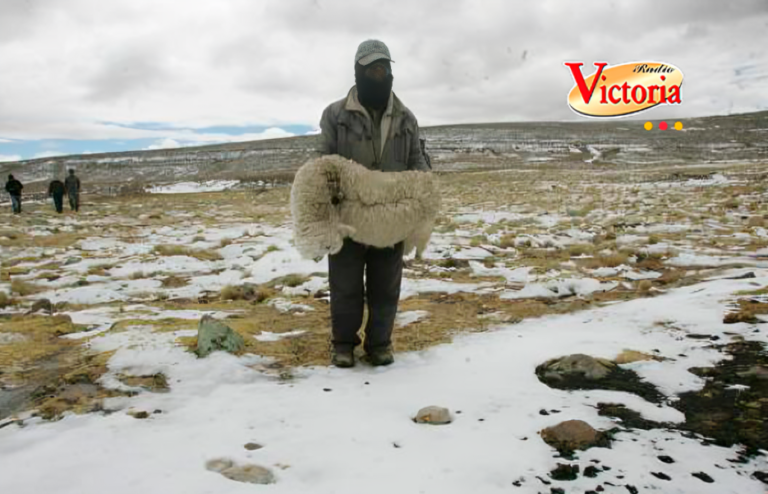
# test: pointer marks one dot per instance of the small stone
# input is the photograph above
(572, 435)
(252, 446)
(543, 481)
(661, 475)
(433, 415)
(704, 477)
(575, 365)
(543, 412)
(666, 459)
(632, 489)
(761, 476)
(72, 260)
(327, 390)
(565, 472)
(157, 411)
(591, 472)
(252, 474)
(219, 464)
(556, 490)
(139, 415)
(396, 445)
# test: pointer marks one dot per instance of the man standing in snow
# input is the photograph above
(72, 184)
(14, 187)
(372, 127)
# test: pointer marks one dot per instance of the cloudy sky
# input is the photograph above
(84, 76)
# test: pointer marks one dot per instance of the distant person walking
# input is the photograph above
(72, 184)
(56, 190)
(14, 188)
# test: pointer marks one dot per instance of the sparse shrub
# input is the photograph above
(477, 240)
(180, 250)
(174, 281)
(245, 292)
(198, 238)
(293, 280)
(24, 288)
(576, 250)
(225, 241)
(644, 286)
(755, 221)
(731, 203)
(507, 241)
(170, 250)
(5, 300)
(137, 275)
(272, 248)
(653, 239)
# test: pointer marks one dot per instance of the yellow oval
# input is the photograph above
(648, 84)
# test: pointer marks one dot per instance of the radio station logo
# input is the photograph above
(624, 89)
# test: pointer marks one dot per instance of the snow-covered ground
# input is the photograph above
(642, 263)
(330, 430)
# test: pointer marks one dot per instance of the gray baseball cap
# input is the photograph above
(371, 50)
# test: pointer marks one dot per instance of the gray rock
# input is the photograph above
(434, 415)
(253, 446)
(249, 473)
(214, 335)
(577, 365)
(572, 435)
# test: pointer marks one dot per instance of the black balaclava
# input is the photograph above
(370, 92)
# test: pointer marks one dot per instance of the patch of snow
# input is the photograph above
(268, 336)
(193, 187)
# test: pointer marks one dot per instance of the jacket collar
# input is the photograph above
(353, 103)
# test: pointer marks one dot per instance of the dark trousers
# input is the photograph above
(58, 202)
(383, 272)
(74, 202)
(16, 203)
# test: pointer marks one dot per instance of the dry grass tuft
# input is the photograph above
(756, 221)
(246, 292)
(25, 288)
(609, 260)
(644, 286)
(180, 250)
(174, 281)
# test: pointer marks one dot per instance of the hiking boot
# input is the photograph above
(381, 356)
(343, 358)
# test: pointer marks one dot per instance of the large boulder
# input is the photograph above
(214, 335)
(577, 365)
(572, 435)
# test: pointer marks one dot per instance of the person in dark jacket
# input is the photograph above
(56, 190)
(14, 188)
(374, 128)
(72, 184)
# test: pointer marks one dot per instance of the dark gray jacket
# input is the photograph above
(347, 130)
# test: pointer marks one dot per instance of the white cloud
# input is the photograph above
(47, 154)
(166, 143)
(9, 157)
(199, 64)
(188, 138)
(4, 141)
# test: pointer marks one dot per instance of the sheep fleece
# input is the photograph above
(374, 208)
